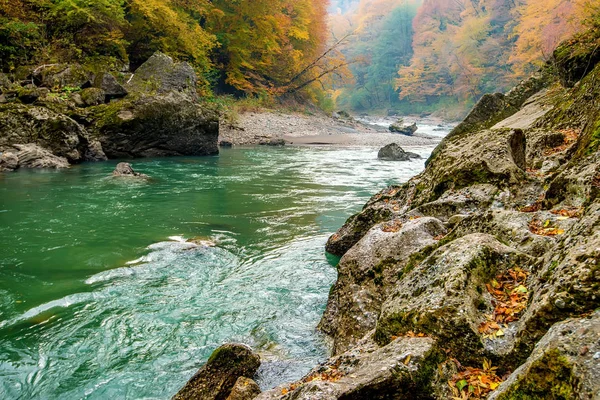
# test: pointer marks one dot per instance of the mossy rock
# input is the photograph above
(577, 57)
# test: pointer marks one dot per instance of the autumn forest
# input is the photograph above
(361, 55)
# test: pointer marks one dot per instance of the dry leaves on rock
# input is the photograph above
(569, 213)
(571, 136)
(474, 383)
(546, 228)
(328, 374)
(392, 226)
(510, 295)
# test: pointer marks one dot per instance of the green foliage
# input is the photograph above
(18, 42)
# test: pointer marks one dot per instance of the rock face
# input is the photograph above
(489, 259)
(84, 117)
(393, 152)
(61, 135)
(160, 74)
(217, 379)
(125, 169)
(172, 124)
(30, 156)
(403, 129)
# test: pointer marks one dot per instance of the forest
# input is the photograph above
(399, 56)
(423, 55)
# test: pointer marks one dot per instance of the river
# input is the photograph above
(102, 298)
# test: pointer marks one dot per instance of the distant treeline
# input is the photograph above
(422, 55)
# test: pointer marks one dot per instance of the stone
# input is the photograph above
(272, 142)
(367, 272)
(225, 143)
(575, 59)
(33, 156)
(28, 95)
(110, 86)
(445, 295)
(125, 169)
(93, 97)
(489, 110)
(562, 365)
(172, 124)
(393, 152)
(404, 369)
(160, 74)
(244, 389)
(57, 133)
(398, 127)
(216, 379)
(58, 76)
(9, 161)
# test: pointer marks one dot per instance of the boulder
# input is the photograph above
(110, 86)
(404, 369)
(244, 389)
(28, 95)
(92, 97)
(489, 110)
(225, 143)
(61, 135)
(160, 74)
(9, 161)
(398, 127)
(393, 152)
(368, 271)
(33, 156)
(172, 124)
(58, 76)
(565, 364)
(445, 295)
(5, 82)
(574, 59)
(125, 169)
(216, 379)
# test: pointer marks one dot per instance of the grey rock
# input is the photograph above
(153, 126)
(367, 272)
(28, 95)
(393, 152)
(244, 389)
(404, 129)
(563, 362)
(92, 97)
(216, 379)
(272, 142)
(9, 161)
(404, 369)
(445, 295)
(110, 86)
(57, 76)
(126, 170)
(225, 143)
(33, 156)
(160, 74)
(61, 135)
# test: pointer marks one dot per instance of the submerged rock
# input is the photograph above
(125, 169)
(217, 378)
(272, 142)
(393, 152)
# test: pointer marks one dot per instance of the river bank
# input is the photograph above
(252, 128)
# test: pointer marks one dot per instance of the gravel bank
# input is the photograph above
(299, 129)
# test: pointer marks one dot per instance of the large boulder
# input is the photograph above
(9, 161)
(565, 364)
(58, 76)
(126, 170)
(404, 369)
(446, 295)
(160, 74)
(110, 86)
(171, 124)
(393, 152)
(368, 271)
(61, 135)
(217, 378)
(574, 59)
(33, 156)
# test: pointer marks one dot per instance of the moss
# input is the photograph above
(550, 377)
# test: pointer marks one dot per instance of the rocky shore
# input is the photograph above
(60, 114)
(480, 277)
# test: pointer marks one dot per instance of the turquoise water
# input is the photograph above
(101, 297)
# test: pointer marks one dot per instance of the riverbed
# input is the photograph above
(102, 296)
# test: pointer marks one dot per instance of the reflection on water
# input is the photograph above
(101, 297)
